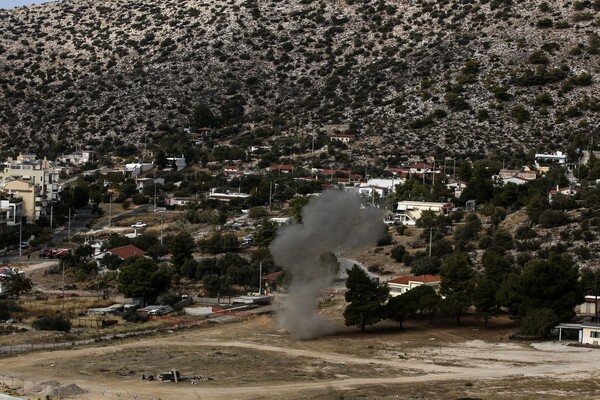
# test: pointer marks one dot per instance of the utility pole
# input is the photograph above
(454, 169)
(69, 222)
(63, 284)
(109, 209)
(21, 235)
(270, 196)
(155, 197)
(161, 227)
(430, 237)
(260, 279)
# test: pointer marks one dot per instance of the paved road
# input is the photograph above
(79, 220)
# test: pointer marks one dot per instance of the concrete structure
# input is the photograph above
(410, 211)
(403, 284)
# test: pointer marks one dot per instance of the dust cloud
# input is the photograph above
(333, 222)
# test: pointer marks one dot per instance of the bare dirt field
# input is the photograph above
(253, 359)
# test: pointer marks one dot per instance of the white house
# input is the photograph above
(403, 284)
(543, 162)
(371, 190)
(227, 196)
(344, 138)
(568, 191)
(135, 169)
(410, 211)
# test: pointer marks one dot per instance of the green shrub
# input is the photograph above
(520, 114)
(398, 252)
(544, 23)
(52, 323)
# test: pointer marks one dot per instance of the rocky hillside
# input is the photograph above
(406, 76)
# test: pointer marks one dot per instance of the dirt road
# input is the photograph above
(466, 361)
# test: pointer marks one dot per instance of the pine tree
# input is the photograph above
(366, 298)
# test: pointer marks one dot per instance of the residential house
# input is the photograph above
(584, 333)
(176, 162)
(233, 170)
(589, 306)
(227, 195)
(457, 186)
(179, 201)
(524, 173)
(410, 211)
(270, 282)
(567, 191)
(10, 212)
(133, 170)
(389, 184)
(353, 179)
(282, 168)
(403, 284)
(543, 162)
(344, 138)
(128, 251)
(83, 157)
(372, 190)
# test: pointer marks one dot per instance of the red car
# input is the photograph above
(49, 253)
(61, 253)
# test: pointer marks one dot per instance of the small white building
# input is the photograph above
(403, 284)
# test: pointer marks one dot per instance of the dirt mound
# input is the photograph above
(52, 389)
(263, 321)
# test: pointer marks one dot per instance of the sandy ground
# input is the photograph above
(255, 360)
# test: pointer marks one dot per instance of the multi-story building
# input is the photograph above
(40, 173)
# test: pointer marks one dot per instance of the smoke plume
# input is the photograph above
(331, 223)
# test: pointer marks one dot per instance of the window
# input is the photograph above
(595, 334)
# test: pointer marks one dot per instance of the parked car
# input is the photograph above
(139, 224)
(24, 245)
(46, 253)
(162, 310)
(61, 253)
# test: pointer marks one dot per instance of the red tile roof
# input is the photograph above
(273, 276)
(404, 280)
(124, 252)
